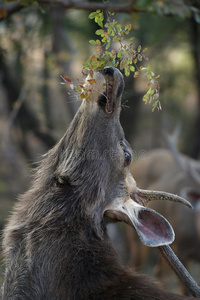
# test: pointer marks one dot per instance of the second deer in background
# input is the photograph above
(161, 170)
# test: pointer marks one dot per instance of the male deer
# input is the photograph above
(56, 244)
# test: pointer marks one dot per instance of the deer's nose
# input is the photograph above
(108, 70)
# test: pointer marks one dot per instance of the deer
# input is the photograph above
(173, 172)
(55, 243)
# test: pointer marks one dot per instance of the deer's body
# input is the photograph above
(55, 244)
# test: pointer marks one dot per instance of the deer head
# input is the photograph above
(93, 158)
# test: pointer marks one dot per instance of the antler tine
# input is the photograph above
(194, 170)
(145, 196)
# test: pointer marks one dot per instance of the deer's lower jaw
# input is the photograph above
(114, 88)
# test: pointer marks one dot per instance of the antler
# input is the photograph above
(187, 164)
(144, 196)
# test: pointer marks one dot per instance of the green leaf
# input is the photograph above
(127, 71)
(119, 54)
(150, 92)
(132, 68)
(100, 32)
(115, 39)
(128, 27)
(119, 28)
(111, 32)
(93, 14)
(99, 19)
(108, 45)
(131, 39)
(145, 98)
(148, 68)
(122, 64)
(136, 74)
(105, 39)
(98, 42)
(78, 89)
(144, 50)
(92, 42)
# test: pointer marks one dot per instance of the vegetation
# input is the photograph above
(121, 54)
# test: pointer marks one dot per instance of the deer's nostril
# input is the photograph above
(108, 70)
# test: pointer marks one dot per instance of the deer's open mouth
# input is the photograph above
(109, 107)
(114, 89)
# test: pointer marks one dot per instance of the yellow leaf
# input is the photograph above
(91, 81)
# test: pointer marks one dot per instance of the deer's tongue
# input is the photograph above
(152, 228)
(109, 102)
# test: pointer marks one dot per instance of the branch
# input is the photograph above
(180, 270)
(93, 5)
(8, 10)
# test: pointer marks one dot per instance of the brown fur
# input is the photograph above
(55, 244)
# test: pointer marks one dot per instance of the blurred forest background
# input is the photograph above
(40, 41)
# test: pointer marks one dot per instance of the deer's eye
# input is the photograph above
(127, 158)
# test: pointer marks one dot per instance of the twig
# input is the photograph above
(180, 270)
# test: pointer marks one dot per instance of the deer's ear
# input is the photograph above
(152, 228)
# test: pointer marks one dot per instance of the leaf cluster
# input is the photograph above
(123, 55)
(115, 48)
